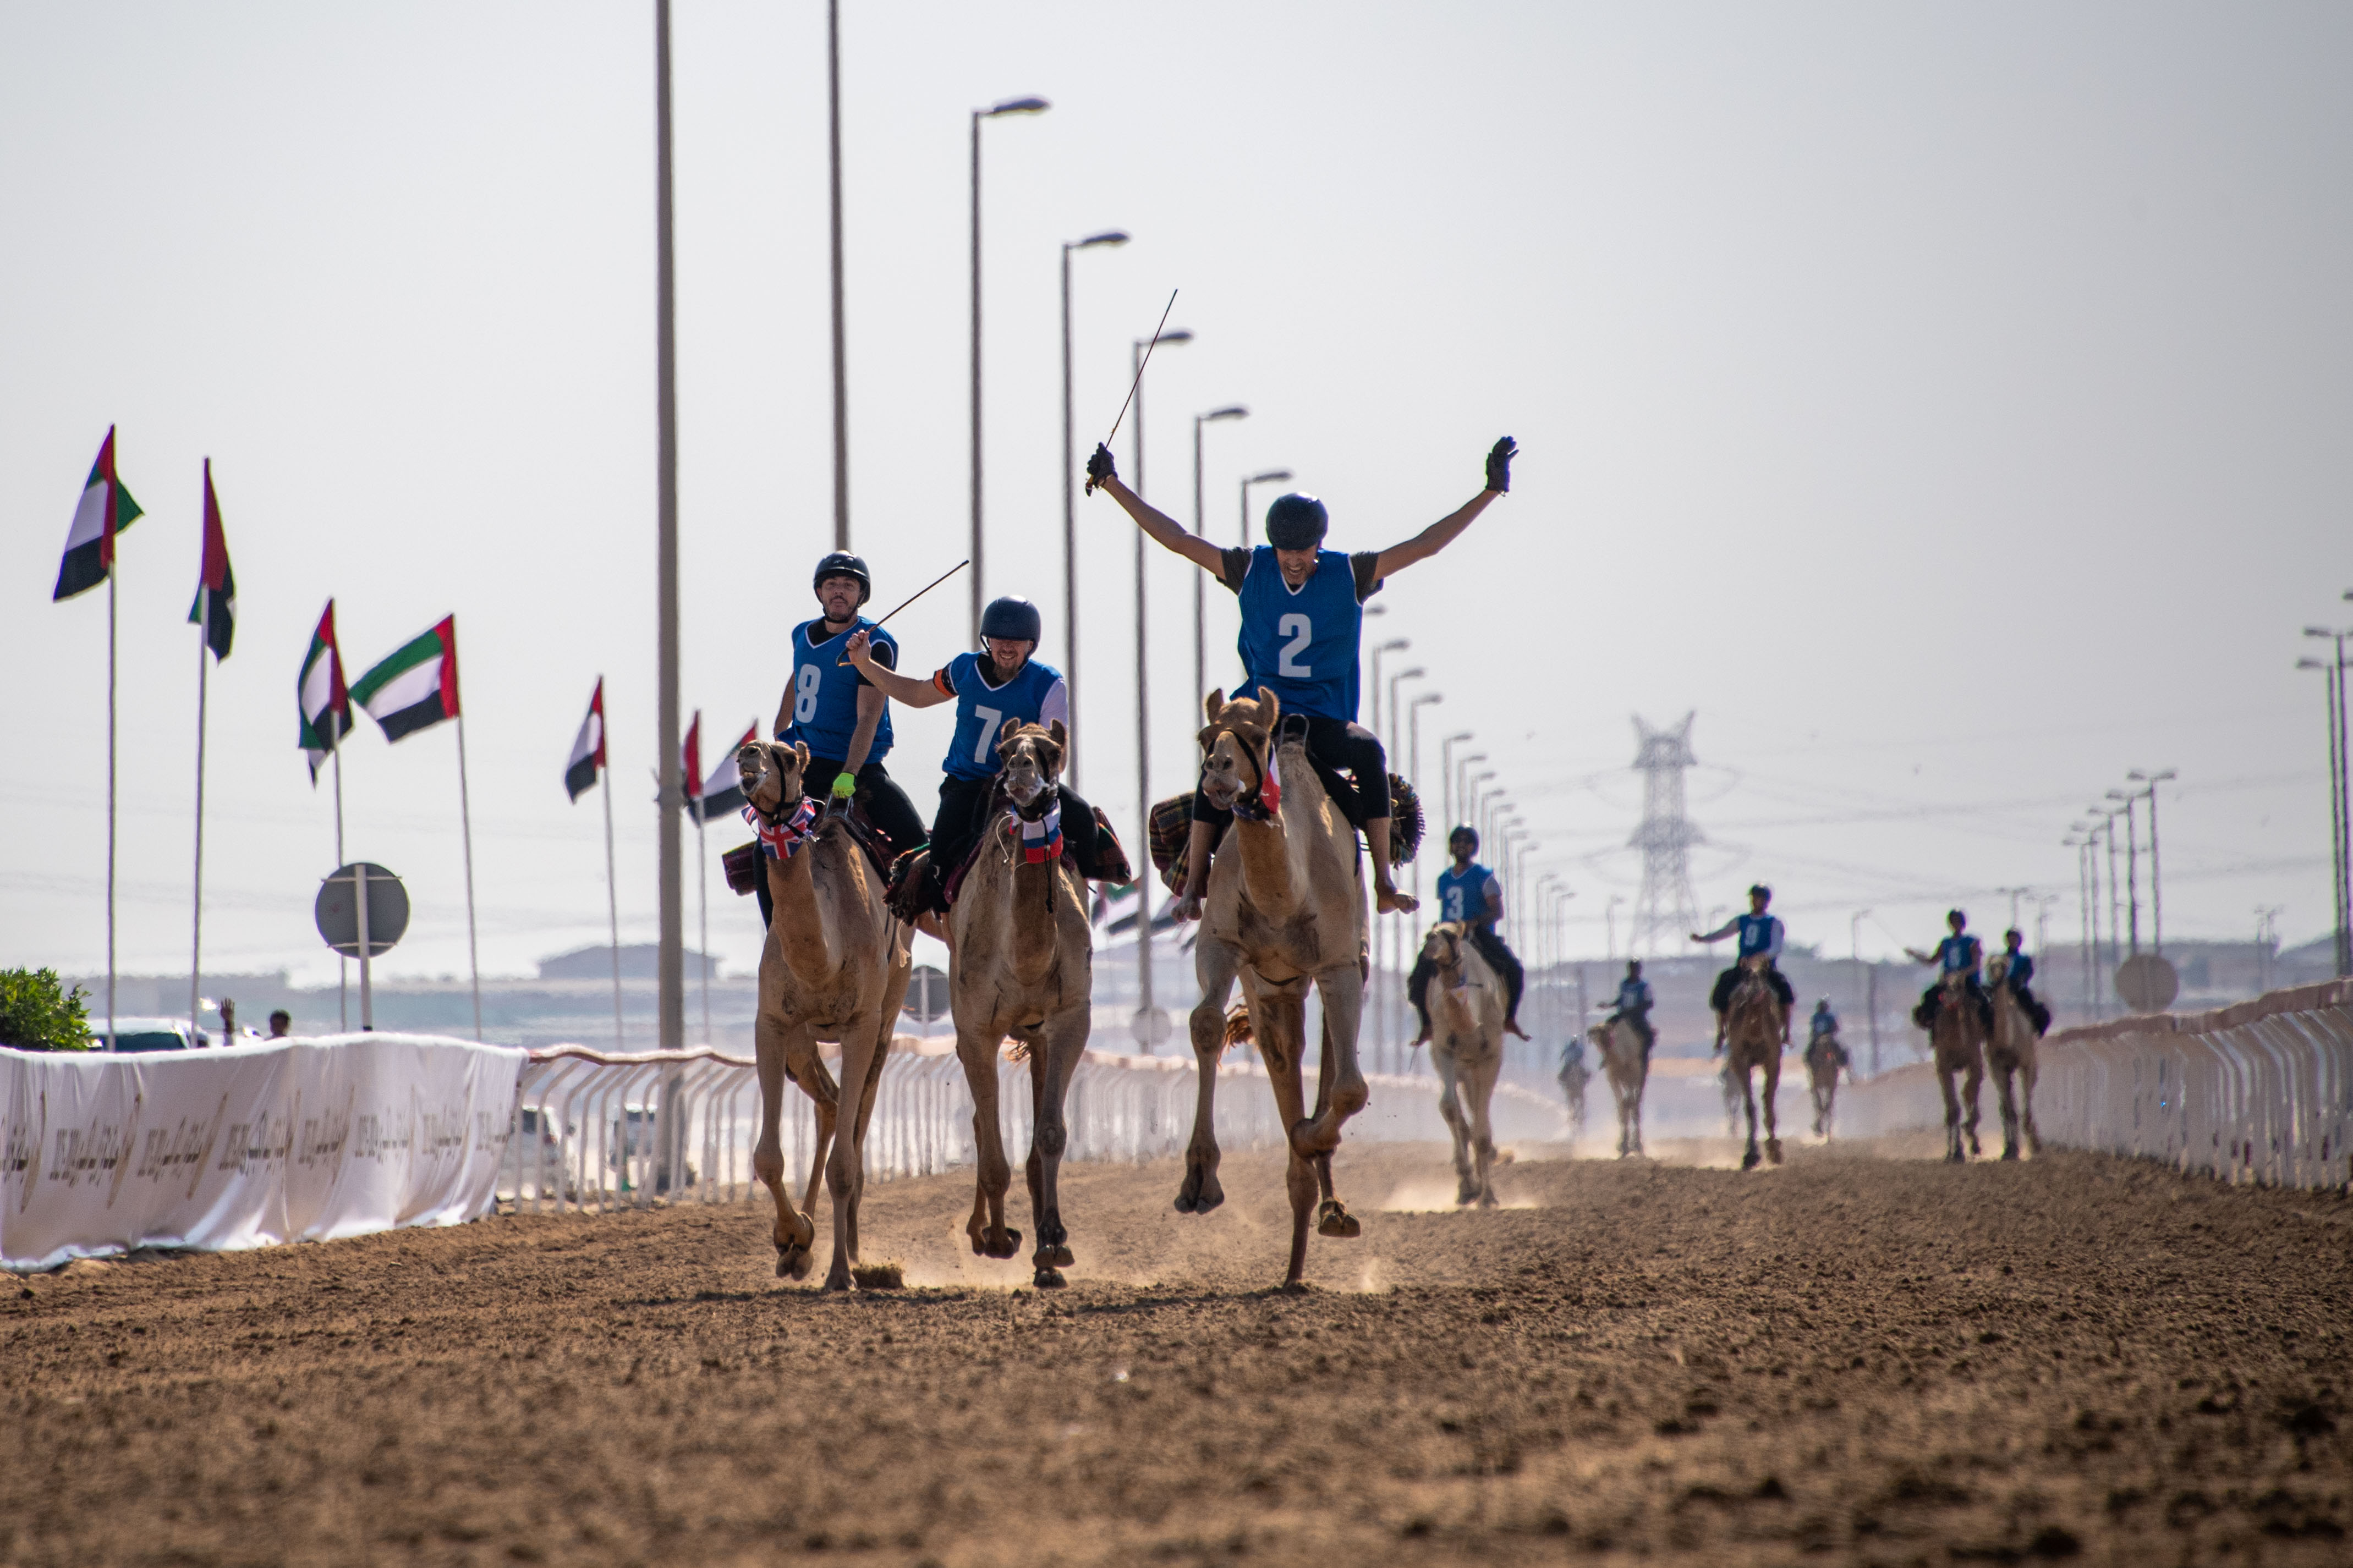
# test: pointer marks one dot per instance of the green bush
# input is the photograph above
(37, 1013)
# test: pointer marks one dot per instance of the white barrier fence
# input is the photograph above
(585, 1121)
(2262, 1091)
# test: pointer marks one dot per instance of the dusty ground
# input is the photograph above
(1851, 1359)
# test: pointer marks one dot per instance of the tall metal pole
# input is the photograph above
(197, 926)
(465, 835)
(671, 963)
(2115, 901)
(2336, 799)
(979, 563)
(114, 570)
(2132, 877)
(840, 351)
(1144, 1004)
(343, 981)
(2344, 820)
(612, 883)
(1070, 539)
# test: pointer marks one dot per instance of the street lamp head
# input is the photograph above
(1180, 335)
(1272, 476)
(1453, 739)
(1427, 696)
(2318, 632)
(1017, 106)
(2310, 664)
(1231, 411)
(2121, 795)
(1108, 237)
(1416, 673)
(1394, 644)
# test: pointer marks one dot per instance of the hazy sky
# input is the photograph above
(1950, 403)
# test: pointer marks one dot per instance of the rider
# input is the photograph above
(1469, 893)
(2020, 975)
(1958, 953)
(1824, 1026)
(1634, 1004)
(1001, 685)
(839, 714)
(1760, 936)
(1302, 619)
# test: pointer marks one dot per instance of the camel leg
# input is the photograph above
(1450, 1107)
(1973, 1080)
(2027, 1071)
(1338, 1095)
(1215, 965)
(1280, 1013)
(1952, 1111)
(1738, 1064)
(1332, 1215)
(795, 1232)
(807, 1068)
(2006, 1099)
(845, 1170)
(1773, 1102)
(1482, 1129)
(977, 1047)
(1051, 1063)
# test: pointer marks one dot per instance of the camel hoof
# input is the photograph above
(1465, 1194)
(1333, 1220)
(1048, 1280)
(1749, 1161)
(1063, 1258)
(1956, 1158)
(1486, 1200)
(1773, 1150)
(2010, 1150)
(1201, 1196)
(1008, 1247)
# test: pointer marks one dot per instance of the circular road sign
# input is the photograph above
(338, 909)
(1151, 1026)
(927, 995)
(2146, 982)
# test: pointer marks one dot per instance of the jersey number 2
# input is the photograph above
(1301, 632)
(805, 685)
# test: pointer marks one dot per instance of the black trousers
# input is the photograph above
(1720, 997)
(962, 817)
(1932, 1002)
(1499, 957)
(2034, 1007)
(879, 795)
(1336, 744)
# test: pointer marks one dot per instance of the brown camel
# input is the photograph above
(1466, 1046)
(1286, 910)
(1824, 1057)
(1755, 1021)
(1629, 1067)
(2013, 1051)
(1958, 1040)
(835, 968)
(1022, 963)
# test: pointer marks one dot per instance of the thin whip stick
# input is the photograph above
(918, 593)
(1139, 377)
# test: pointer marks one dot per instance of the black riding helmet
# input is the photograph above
(1012, 618)
(1296, 522)
(842, 563)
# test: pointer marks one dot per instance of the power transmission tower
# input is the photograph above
(1666, 903)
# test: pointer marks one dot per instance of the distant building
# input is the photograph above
(640, 961)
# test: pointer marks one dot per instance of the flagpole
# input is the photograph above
(612, 887)
(702, 875)
(113, 568)
(196, 927)
(343, 965)
(466, 830)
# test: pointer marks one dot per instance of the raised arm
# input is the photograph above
(1446, 529)
(905, 689)
(1165, 531)
(1720, 932)
(1916, 957)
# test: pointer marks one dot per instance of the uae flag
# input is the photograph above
(106, 510)
(721, 794)
(320, 702)
(215, 606)
(416, 686)
(588, 749)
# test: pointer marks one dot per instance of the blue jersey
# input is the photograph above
(2022, 968)
(1824, 1023)
(825, 691)
(1301, 646)
(1633, 995)
(1035, 696)
(1760, 934)
(1955, 955)
(1466, 896)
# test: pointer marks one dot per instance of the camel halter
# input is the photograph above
(779, 840)
(1042, 836)
(1264, 799)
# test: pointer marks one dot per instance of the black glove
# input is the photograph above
(1499, 465)
(1099, 466)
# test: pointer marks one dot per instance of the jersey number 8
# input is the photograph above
(805, 685)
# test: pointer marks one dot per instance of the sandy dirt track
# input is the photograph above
(1851, 1358)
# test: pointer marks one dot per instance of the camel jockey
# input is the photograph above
(1960, 953)
(1760, 937)
(2020, 975)
(998, 686)
(1634, 1004)
(1469, 893)
(839, 714)
(1303, 622)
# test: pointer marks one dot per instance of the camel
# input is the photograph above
(1753, 1023)
(1629, 1067)
(1575, 1077)
(1286, 910)
(1022, 963)
(1958, 1040)
(2011, 1050)
(1466, 1015)
(1824, 1057)
(835, 968)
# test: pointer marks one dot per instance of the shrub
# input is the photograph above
(38, 1014)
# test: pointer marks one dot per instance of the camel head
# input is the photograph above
(1443, 948)
(1235, 745)
(772, 773)
(1997, 969)
(1033, 756)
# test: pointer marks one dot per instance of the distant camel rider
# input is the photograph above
(1302, 623)
(1960, 953)
(1760, 936)
(1824, 1027)
(998, 686)
(2020, 975)
(1634, 1004)
(1470, 893)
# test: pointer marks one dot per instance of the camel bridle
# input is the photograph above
(785, 806)
(1249, 806)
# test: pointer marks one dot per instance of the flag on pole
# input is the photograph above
(106, 510)
(320, 702)
(416, 687)
(215, 608)
(692, 771)
(721, 794)
(588, 749)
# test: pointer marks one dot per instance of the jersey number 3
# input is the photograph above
(1301, 632)
(804, 684)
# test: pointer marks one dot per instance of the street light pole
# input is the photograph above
(1070, 507)
(1394, 938)
(2148, 783)
(1146, 1014)
(1200, 579)
(1010, 106)
(1394, 645)
(841, 349)
(2340, 785)
(2132, 868)
(1446, 778)
(1413, 763)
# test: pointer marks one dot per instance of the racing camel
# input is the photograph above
(1022, 963)
(1466, 1046)
(835, 968)
(2011, 1050)
(1629, 1067)
(1824, 1057)
(1286, 910)
(1753, 1023)
(1958, 1040)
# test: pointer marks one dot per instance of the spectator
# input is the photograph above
(281, 1024)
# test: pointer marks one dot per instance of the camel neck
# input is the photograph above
(804, 935)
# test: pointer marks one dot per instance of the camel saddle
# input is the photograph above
(910, 891)
(1167, 830)
(742, 864)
